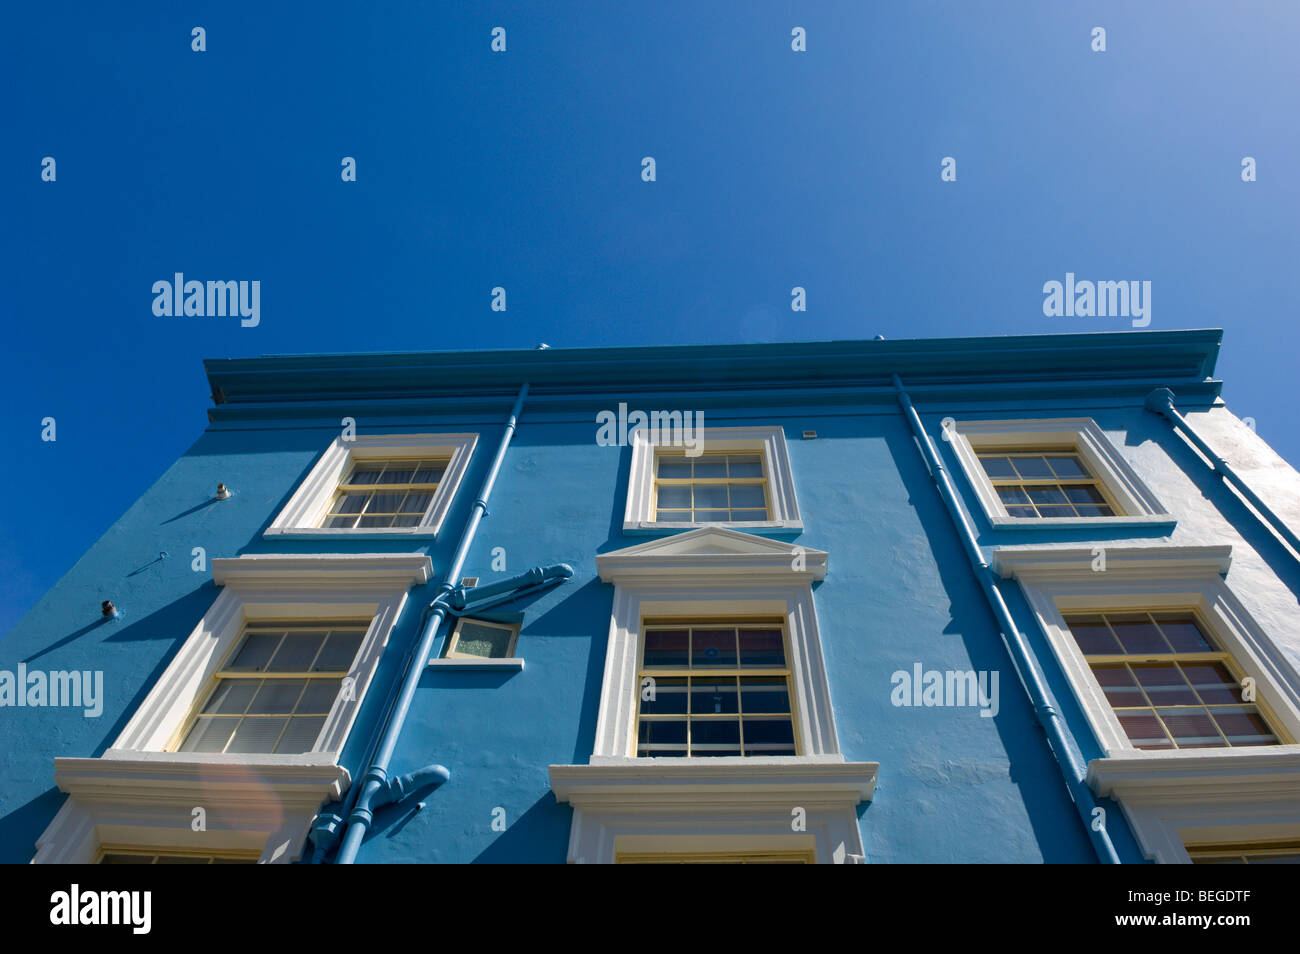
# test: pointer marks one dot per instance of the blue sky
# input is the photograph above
(523, 170)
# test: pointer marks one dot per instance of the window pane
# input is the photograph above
(666, 695)
(350, 503)
(711, 648)
(1047, 495)
(366, 474)
(1184, 634)
(384, 503)
(257, 734)
(1032, 468)
(1067, 467)
(428, 474)
(345, 522)
(277, 696)
(675, 498)
(675, 468)
(375, 522)
(255, 653)
(1021, 512)
(487, 642)
(318, 698)
(1144, 729)
(231, 696)
(340, 649)
(297, 652)
(300, 735)
(710, 497)
(745, 465)
(998, 468)
(1083, 494)
(677, 516)
(670, 733)
(666, 647)
(713, 696)
(1192, 729)
(1094, 510)
(398, 473)
(747, 496)
(416, 503)
(1117, 683)
(208, 735)
(1165, 685)
(710, 467)
(1244, 726)
(1213, 683)
(1013, 495)
(762, 647)
(769, 737)
(764, 694)
(1138, 634)
(737, 516)
(712, 516)
(1093, 635)
(715, 737)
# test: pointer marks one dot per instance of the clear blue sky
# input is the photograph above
(522, 170)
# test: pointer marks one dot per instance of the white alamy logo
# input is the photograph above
(194, 299)
(951, 687)
(58, 688)
(662, 428)
(1085, 299)
(75, 906)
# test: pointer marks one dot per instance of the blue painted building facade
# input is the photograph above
(860, 558)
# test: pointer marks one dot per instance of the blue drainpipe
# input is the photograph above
(1021, 657)
(375, 780)
(1161, 401)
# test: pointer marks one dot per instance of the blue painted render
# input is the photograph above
(953, 787)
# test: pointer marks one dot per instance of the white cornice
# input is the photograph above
(1227, 776)
(317, 571)
(1062, 564)
(288, 781)
(649, 784)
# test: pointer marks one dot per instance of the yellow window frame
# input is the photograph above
(1221, 656)
(693, 482)
(738, 672)
(1047, 450)
(214, 682)
(346, 487)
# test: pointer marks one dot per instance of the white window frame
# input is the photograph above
(639, 514)
(1139, 504)
(137, 793)
(713, 571)
(310, 502)
(1173, 796)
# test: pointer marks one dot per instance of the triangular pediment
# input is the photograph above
(717, 548)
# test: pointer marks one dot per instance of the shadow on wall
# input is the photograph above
(571, 617)
(20, 827)
(1216, 491)
(1031, 767)
(538, 836)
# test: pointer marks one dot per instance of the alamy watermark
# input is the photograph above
(662, 428)
(1085, 299)
(57, 689)
(952, 687)
(179, 298)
